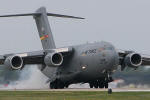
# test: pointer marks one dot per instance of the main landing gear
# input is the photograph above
(57, 84)
(100, 83)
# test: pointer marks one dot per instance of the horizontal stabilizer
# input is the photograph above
(16, 15)
(38, 14)
(64, 16)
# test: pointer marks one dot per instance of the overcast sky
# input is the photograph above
(124, 23)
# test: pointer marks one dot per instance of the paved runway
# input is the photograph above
(88, 89)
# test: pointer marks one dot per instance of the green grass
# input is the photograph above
(49, 95)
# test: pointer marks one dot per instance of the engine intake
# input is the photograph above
(53, 59)
(133, 60)
(14, 62)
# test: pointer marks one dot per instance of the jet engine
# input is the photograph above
(14, 62)
(53, 59)
(133, 60)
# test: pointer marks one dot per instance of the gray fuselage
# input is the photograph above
(88, 62)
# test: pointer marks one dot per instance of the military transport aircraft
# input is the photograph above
(92, 63)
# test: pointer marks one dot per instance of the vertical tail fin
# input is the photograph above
(44, 30)
(41, 18)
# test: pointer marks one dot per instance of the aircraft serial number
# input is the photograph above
(90, 51)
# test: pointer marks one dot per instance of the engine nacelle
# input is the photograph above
(133, 60)
(14, 62)
(53, 59)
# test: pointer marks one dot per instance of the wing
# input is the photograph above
(145, 61)
(132, 59)
(35, 57)
(18, 60)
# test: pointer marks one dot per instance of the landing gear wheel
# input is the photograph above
(106, 85)
(57, 85)
(52, 85)
(91, 84)
(66, 85)
(95, 84)
(101, 84)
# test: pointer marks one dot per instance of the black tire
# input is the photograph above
(109, 91)
(66, 85)
(60, 86)
(91, 84)
(95, 84)
(101, 84)
(106, 85)
(52, 85)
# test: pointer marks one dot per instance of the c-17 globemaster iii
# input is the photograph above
(92, 63)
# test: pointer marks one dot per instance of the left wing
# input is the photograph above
(43, 57)
(132, 59)
(145, 61)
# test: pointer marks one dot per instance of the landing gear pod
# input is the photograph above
(14, 62)
(133, 60)
(53, 59)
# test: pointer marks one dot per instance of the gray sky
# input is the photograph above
(124, 23)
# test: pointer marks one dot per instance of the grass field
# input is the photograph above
(49, 95)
